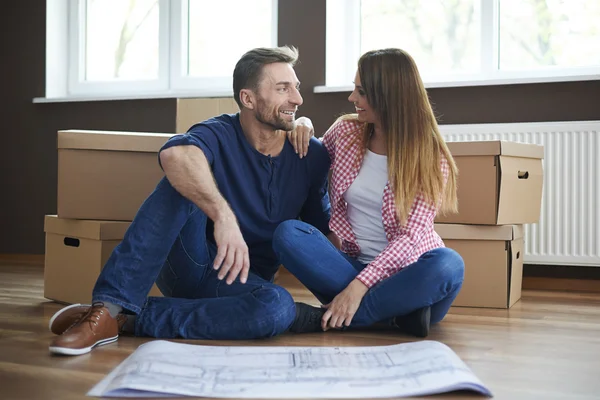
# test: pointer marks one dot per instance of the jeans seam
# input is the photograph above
(309, 231)
(277, 316)
(172, 287)
(124, 304)
(188, 255)
(139, 319)
(195, 209)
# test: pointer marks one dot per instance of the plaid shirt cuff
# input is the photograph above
(371, 275)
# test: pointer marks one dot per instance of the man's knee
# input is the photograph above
(276, 310)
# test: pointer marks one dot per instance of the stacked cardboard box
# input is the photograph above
(191, 111)
(103, 179)
(499, 190)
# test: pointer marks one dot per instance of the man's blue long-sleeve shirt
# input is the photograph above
(263, 191)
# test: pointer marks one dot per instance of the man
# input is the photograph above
(205, 233)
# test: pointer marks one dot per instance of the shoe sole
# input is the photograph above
(76, 352)
(60, 312)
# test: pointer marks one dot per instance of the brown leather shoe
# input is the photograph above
(94, 328)
(65, 317)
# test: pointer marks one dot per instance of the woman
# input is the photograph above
(391, 174)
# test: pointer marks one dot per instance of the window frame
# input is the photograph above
(172, 53)
(343, 27)
(179, 80)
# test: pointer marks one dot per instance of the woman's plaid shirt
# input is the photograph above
(406, 243)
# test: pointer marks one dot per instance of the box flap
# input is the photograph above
(496, 147)
(526, 150)
(108, 140)
(521, 187)
(479, 232)
(88, 229)
(516, 272)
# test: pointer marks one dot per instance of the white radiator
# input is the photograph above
(568, 232)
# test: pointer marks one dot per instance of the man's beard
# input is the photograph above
(274, 121)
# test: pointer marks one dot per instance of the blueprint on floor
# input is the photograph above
(161, 368)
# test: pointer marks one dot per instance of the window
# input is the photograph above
(456, 42)
(120, 40)
(129, 47)
(550, 33)
(443, 37)
(207, 39)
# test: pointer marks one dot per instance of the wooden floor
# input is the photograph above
(546, 347)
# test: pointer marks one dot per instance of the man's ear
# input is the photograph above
(247, 99)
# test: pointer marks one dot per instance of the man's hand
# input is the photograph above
(232, 251)
(343, 307)
(187, 169)
(300, 136)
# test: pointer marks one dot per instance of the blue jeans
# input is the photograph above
(434, 280)
(166, 243)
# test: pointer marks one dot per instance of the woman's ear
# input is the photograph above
(247, 98)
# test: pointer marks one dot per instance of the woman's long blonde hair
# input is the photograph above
(396, 93)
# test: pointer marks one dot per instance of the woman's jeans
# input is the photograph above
(434, 280)
(166, 243)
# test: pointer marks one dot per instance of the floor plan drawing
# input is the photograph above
(162, 368)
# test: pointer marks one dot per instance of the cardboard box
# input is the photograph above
(192, 111)
(493, 258)
(106, 175)
(499, 183)
(76, 252)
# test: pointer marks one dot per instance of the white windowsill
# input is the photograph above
(137, 96)
(316, 89)
(477, 82)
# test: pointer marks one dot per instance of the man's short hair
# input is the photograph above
(248, 70)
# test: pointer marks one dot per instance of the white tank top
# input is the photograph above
(365, 199)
